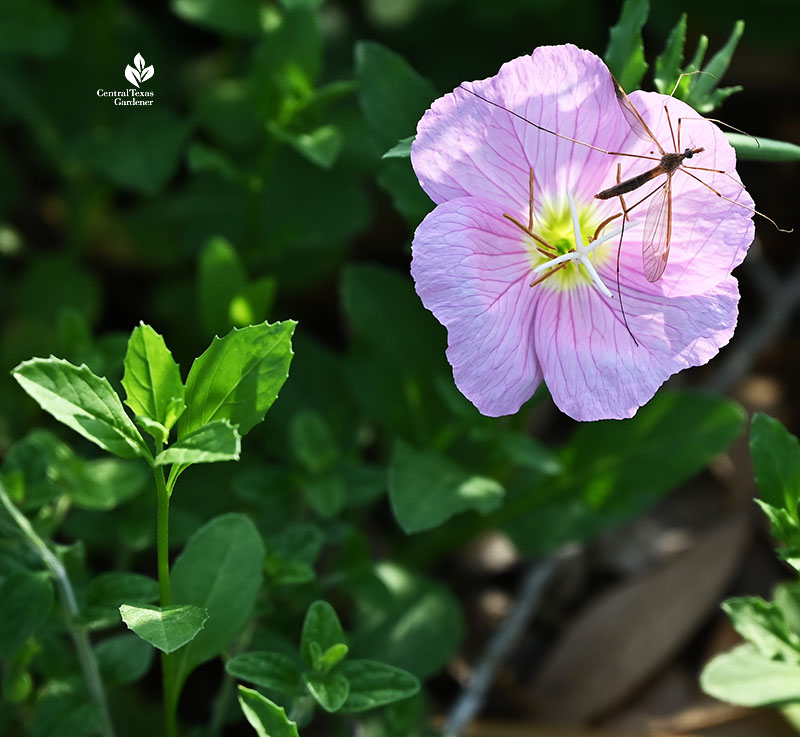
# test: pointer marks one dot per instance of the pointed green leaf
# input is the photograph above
(26, 599)
(238, 377)
(82, 401)
(401, 149)
(786, 528)
(321, 626)
(152, 379)
(668, 64)
(329, 691)
(426, 489)
(320, 146)
(220, 570)
(269, 670)
(745, 677)
(625, 52)
(374, 684)
(267, 718)
(333, 656)
(763, 624)
(763, 149)
(776, 462)
(217, 441)
(699, 55)
(702, 85)
(165, 628)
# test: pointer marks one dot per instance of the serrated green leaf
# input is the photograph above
(426, 489)
(321, 626)
(625, 52)
(763, 625)
(83, 401)
(152, 379)
(702, 85)
(329, 691)
(216, 441)
(269, 670)
(165, 628)
(763, 149)
(745, 677)
(401, 149)
(238, 377)
(123, 659)
(784, 527)
(27, 600)
(668, 64)
(220, 570)
(267, 718)
(374, 684)
(776, 462)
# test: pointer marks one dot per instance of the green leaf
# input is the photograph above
(82, 401)
(312, 442)
(321, 626)
(62, 710)
(329, 691)
(668, 64)
(763, 625)
(320, 146)
(27, 600)
(776, 462)
(267, 718)
(152, 379)
(745, 677)
(702, 86)
(216, 441)
(141, 154)
(333, 656)
(107, 592)
(392, 94)
(240, 18)
(238, 377)
(33, 27)
(253, 302)
(763, 149)
(616, 469)
(108, 482)
(405, 620)
(220, 570)
(166, 628)
(787, 599)
(426, 489)
(786, 528)
(123, 659)
(374, 684)
(401, 149)
(625, 52)
(269, 670)
(220, 277)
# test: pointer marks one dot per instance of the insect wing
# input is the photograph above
(635, 121)
(657, 232)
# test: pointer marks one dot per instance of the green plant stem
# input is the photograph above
(162, 548)
(79, 637)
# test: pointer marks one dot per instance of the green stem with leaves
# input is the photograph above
(86, 657)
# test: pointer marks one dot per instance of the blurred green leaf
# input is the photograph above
(426, 489)
(312, 442)
(166, 628)
(668, 64)
(152, 380)
(123, 659)
(106, 483)
(321, 626)
(267, 718)
(220, 570)
(220, 276)
(401, 150)
(108, 591)
(745, 677)
(625, 51)
(616, 469)
(266, 669)
(320, 146)
(217, 441)
(238, 377)
(374, 684)
(27, 602)
(776, 462)
(241, 18)
(787, 599)
(252, 304)
(34, 28)
(82, 401)
(141, 154)
(63, 710)
(763, 625)
(329, 691)
(763, 149)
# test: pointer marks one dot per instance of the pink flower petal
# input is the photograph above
(472, 270)
(591, 365)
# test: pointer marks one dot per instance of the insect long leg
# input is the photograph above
(677, 144)
(621, 198)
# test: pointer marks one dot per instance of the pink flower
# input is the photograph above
(473, 267)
